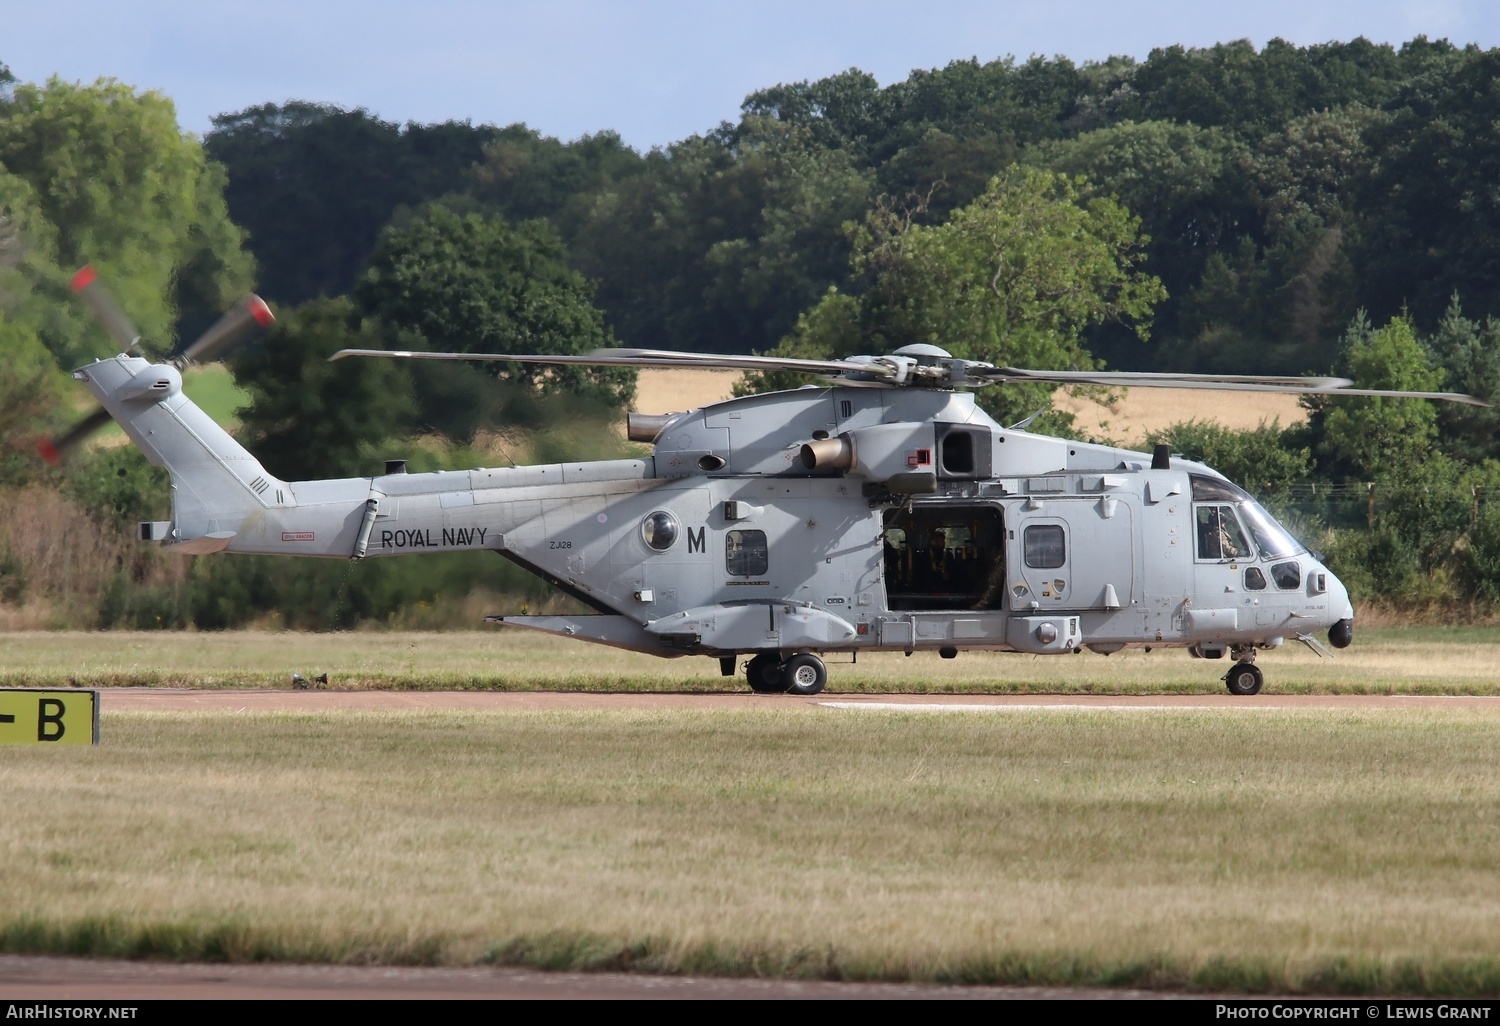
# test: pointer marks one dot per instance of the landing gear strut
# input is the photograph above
(1244, 677)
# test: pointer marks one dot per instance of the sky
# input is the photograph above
(655, 71)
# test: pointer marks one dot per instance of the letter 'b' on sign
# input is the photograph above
(29, 717)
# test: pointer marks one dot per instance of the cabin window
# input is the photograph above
(660, 530)
(746, 554)
(1286, 575)
(944, 558)
(1254, 579)
(1044, 546)
(1220, 536)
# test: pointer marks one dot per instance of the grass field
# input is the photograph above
(1215, 850)
(1418, 661)
(1244, 849)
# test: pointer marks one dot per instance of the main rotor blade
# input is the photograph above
(108, 312)
(1218, 382)
(1152, 379)
(645, 358)
(55, 450)
(242, 320)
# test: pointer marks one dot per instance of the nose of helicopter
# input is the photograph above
(1341, 630)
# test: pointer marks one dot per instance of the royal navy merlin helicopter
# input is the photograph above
(884, 511)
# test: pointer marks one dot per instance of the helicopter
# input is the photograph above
(882, 511)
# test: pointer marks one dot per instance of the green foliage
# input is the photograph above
(308, 418)
(1014, 278)
(721, 242)
(314, 184)
(1480, 561)
(1469, 355)
(1183, 182)
(1432, 224)
(1374, 437)
(477, 284)
(1264, 459)
(117, 485)
(30, 390)
(523, 174)
(122, 189)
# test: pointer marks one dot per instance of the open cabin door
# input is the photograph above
(945, 557)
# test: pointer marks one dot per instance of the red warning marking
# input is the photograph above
(84, 278)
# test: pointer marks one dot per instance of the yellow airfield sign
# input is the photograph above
(31, 717)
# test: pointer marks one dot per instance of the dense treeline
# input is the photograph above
(1290, 209)
(1280, 189)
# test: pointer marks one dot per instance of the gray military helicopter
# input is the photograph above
(883, 512)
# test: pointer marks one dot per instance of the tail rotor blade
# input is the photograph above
(243, 320)
(108, 312)
(54, 451)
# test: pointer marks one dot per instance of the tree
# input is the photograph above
(1432, 223)
(1184, 183)
(722, 241)
(1262, 459)
(477, 284)
(308, 418)
(314, 184)
(1372, 437)
(122, 189)
(1468, 355)
(1014, 279)
(524, 175)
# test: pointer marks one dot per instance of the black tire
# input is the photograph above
(804, 674)
(1244, 679)
(763, 671)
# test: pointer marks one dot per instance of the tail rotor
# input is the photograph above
(242, 322)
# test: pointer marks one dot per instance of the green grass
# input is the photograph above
(1242, 850)
(1416, 661)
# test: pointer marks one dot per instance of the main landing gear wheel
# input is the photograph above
(1244, 679)
(804, 674)
(764, 674)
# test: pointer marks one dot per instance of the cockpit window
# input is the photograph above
(1275, 541)
(1220, 535)
(1216, 489)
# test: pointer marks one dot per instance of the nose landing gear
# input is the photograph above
(1244, 677)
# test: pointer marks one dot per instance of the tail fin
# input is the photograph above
(216, 483)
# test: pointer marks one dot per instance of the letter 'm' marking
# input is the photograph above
(696, 542)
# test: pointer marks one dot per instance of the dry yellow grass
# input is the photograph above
(1400, 661)
(660, 390)
(1126, 421)
(1240, 849)
(1142, 410)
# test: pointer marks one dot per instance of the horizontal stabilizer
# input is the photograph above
(218, 541)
